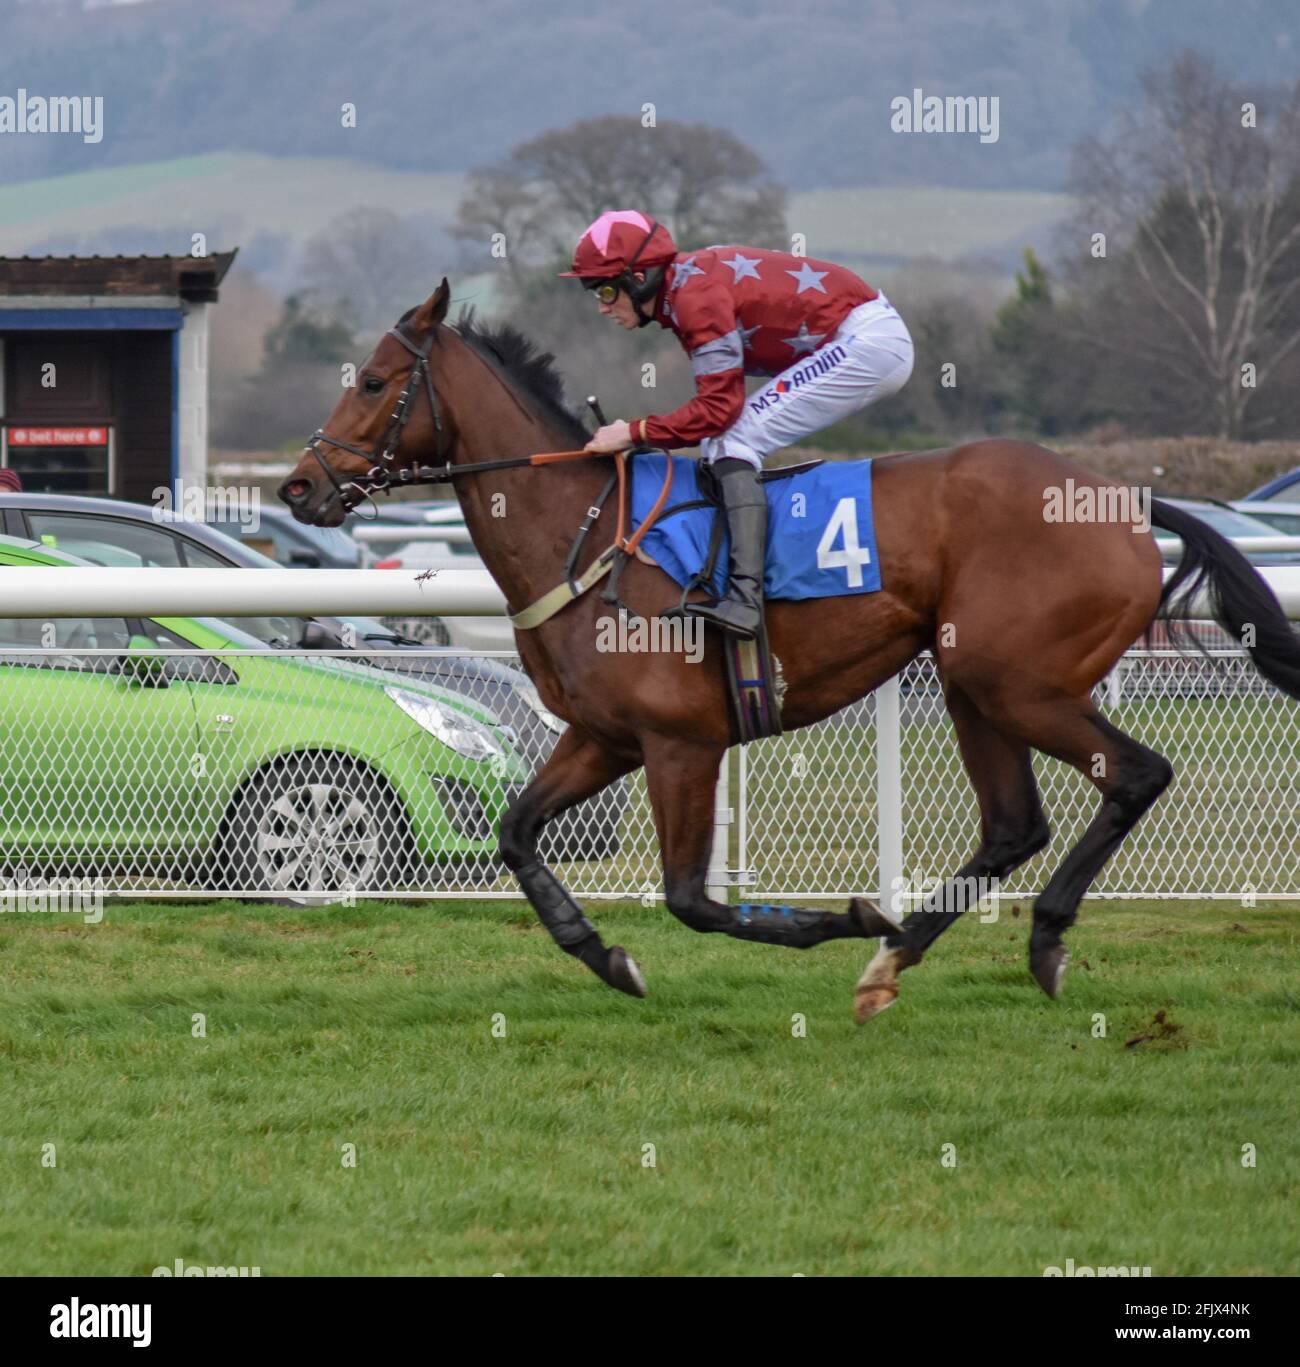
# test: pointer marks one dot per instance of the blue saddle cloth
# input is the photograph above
(821, 536)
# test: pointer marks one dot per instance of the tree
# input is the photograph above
(302, 336)
(1045, 384)
(1017, 319)
(1198, 192)
(296, 387)
(368, 266)
(703, 182)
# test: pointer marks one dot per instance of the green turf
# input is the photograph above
(773, 1154)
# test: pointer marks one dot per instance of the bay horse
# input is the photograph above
(1024, 615)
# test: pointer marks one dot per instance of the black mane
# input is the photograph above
(526, 366)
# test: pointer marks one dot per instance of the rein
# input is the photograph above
(382, 477)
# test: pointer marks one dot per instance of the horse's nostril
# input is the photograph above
(294, 490)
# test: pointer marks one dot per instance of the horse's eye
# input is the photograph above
(373, 385)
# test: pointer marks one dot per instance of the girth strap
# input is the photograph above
(623, 548)
(563, 594)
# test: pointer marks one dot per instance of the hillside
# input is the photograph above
(444, 87)
(270, 206)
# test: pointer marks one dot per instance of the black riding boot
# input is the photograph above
(740, 612)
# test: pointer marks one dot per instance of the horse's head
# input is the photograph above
(389, 420)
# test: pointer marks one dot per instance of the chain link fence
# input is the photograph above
(154, 766)
(1228, 826)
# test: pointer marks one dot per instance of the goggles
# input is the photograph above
(605, 290)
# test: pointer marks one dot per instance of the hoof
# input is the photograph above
(1048, 969)
(621, 971)
(871, 1001)
(871, 922)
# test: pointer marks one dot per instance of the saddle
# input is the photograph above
(755, 683)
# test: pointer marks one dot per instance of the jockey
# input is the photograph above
(829, 343)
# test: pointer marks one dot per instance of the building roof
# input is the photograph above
(195, 278)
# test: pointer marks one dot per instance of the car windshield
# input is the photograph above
(369, 629)
(233, 632)
(286, 630)
(1288, 493)
(1285, 521)
(283, 537)
(240, 553)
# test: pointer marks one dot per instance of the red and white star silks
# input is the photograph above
(745, 311)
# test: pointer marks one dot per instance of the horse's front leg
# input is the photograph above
(681, 776)
(578, 768)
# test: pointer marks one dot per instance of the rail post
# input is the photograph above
(717, 885)
(889, 789)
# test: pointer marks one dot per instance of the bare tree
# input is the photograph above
(1198, 191)
(368, 265)
(500, 202)
(705, 183)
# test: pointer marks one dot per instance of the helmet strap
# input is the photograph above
(644, 291)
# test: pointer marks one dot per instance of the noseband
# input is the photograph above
(381, 475)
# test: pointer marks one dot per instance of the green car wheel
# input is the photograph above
(317, 822)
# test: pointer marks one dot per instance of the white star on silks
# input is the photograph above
(745, 333)
(806, 342)
(683, 270)
(743, 267)
(809, 279)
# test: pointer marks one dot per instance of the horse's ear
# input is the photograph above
(433, 310)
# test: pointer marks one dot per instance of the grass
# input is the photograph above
(526, 1154)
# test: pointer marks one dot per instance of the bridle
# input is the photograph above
(381, 476)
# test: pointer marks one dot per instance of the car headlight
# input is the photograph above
(454, 729)
(528, 692)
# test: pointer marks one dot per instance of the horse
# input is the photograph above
(1024, 614)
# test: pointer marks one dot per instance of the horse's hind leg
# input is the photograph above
(1012, 828)
(578, 767)
(681, 776)
(1130, 778)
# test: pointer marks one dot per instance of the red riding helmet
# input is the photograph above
(619, 241)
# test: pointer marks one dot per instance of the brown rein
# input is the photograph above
(570, 588)
(621, 540)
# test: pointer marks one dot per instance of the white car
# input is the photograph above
(1281, 516)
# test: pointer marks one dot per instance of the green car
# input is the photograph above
(136, 756)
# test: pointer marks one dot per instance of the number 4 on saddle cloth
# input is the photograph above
(821, 543)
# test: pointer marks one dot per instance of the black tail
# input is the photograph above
(1241, 601)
